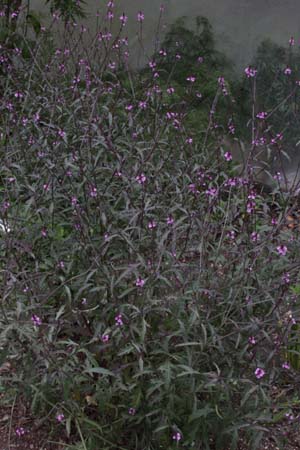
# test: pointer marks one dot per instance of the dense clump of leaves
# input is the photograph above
(149, 295)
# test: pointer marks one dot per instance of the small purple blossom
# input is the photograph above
(277, 176)
(261, 115)
(211, 192)
(132, 411)
(139, 282)
(259, 373)
(231, 235)
(60, 417)
(252, 340)
(105, 338)
(20, 431)
(281, 250)
(141, 179)
(250, 72)
(140, 16)
(286, 365)
(162, 52)
(170, 220)
(250, 207)
(255, 237)
(287, 71)
(93, 191)
(119, 320)
(228, 156)
(123, 19)
(36, 320)
(292, 41)
(193, 189)
(191, 79)
(176, 437)
(286, 278)
(152, 224)
(74, 201)
(142, 105)
(170, 90)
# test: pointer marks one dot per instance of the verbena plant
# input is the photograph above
(149, 296)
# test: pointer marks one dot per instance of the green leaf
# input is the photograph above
(100, 371)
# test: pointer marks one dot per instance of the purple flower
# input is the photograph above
(132, 411)
(228, 156)
(250, 206)
(176, 437)
(292, 41)
(281, 250)
(286, 365)
(140, 16)
(261, 115)
(152, 64)
(93, 191)
(277, 176)
(20, 431)
(290, 416)
(170, 220)
(255, 237)
(60, 417)
(139, 282)
(191, 79)
(212, 192)
(252, 340)
(287, 71)
(259, 373)
(151, 224)
(74, 201)
(163, 52)
(286, 278)
(142, 105)
(231, 235)
(119, 320)
(170, 90)
(105, 338)
(141, 178)
(123, 19)
(36, 320)
(250, 72)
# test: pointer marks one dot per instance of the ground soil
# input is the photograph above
(39, 436)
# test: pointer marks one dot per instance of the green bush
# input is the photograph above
(148, 293)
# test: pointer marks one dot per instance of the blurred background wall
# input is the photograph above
(239, 25)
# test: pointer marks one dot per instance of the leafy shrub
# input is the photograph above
(148, 293)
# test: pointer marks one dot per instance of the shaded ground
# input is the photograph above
(19, 430)
(39, 436)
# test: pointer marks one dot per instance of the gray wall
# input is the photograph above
(239, 24)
